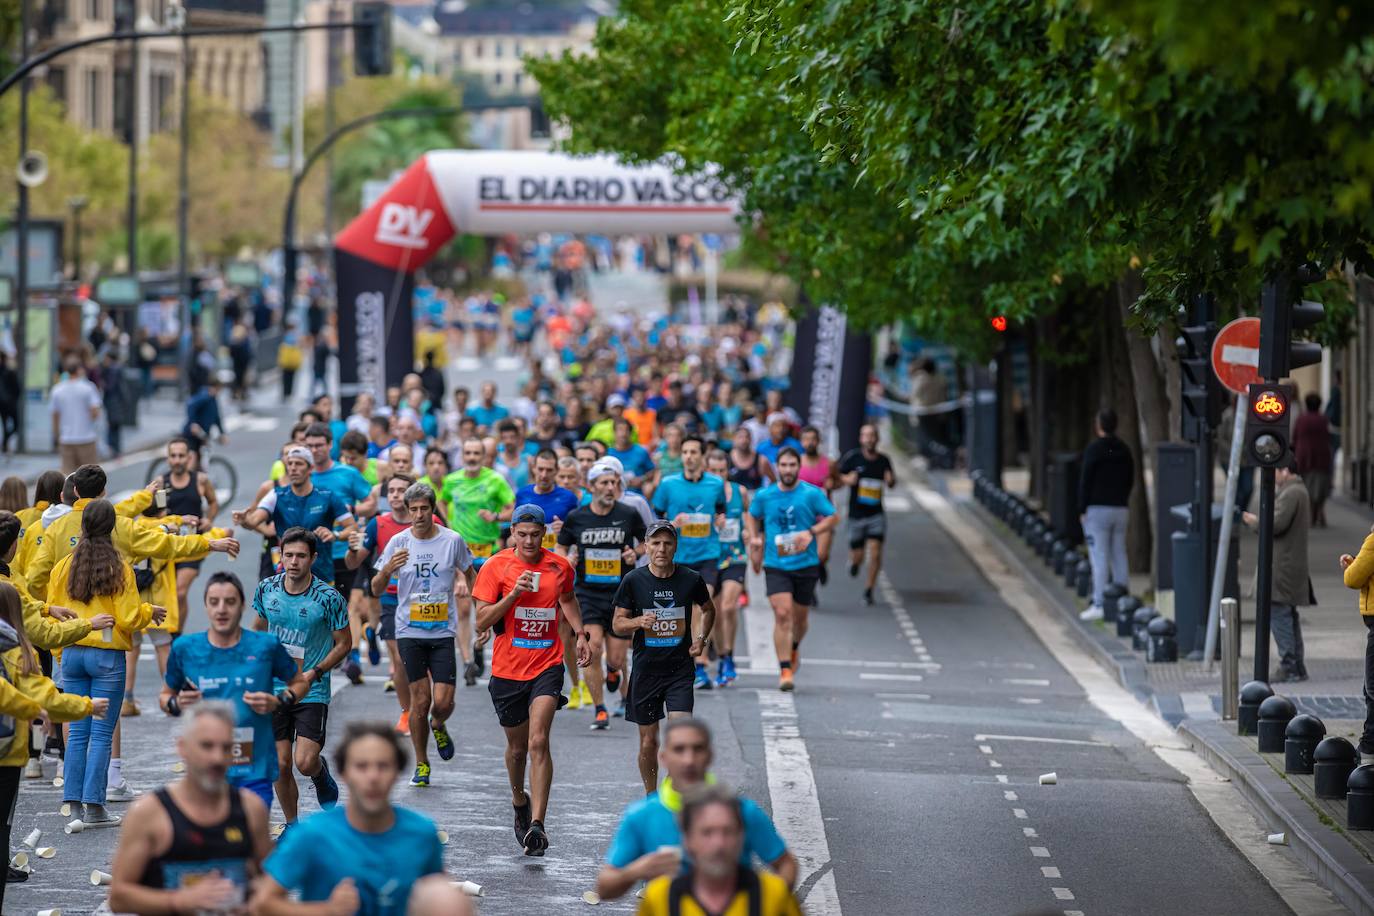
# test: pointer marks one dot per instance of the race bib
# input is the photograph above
(729, 532)
(788, 544)
(242, 750)
(481, 551)
(696, 525)
(534, 627)
(603, 565)
(550, 540)
(428, 609)
(870, 491)
(670, 626)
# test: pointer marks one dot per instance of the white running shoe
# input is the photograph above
(1094, 612)
(122, 792)
(33, 769)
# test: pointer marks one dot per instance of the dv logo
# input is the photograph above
(404, 226)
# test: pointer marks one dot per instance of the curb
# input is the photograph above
(1338, 867)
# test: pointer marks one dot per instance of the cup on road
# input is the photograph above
(45, 852)
(20, 861)
(472, 889)
(49, 765)
(75, 826)
(100, 878)
(32, 839)
(53, 912)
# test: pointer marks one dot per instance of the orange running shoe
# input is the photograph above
(785, 681)
(403, 724)
(602, 721)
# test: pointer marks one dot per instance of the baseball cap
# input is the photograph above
(777, 416)
(658, 526)
(600, 470)
(611, 462)
(299, 451)
(529, 512)
(615, 400)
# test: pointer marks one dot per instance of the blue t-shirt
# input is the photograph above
(337, 428)
(768, 449)
(732, 535)
(649, 823)
(785, 512)
(254, 665)
(556, 503)
(323, 849)
(317, 508)
(351, 486)
(699, 500)
(487, 416)
(635, 460)
(304, 624)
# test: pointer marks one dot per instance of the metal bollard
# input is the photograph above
(1333, 762)
(1085, 579)
(1113, 593)
(1252, 696)
(1230, 657)
(1071, 561)
(1140, 638)
(1047, 542)
(1274, 715)
(1161, 641)
(1359, 800)
(1126, 606)
(1301, 738)
(1058, 553)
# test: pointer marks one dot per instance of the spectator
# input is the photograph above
(241, 359)
(289, 359)
(928, 390)
(120, 401)
(319, 361)
(144, 358)
(75, 407)
(1359, 573)
(1104, 492)
(1292, 586)
(202, 365)
(1245, 476)
(11, 390)
(1313, 450)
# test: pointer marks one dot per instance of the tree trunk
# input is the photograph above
(1120, 393)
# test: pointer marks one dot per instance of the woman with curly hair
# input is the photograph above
(95, 579)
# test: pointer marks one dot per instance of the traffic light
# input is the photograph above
(372, 39)
(1202, 396)
(1266, 426)
(1283, 311)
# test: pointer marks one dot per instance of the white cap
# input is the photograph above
(299, 451)
(601, 469)
(612, 462)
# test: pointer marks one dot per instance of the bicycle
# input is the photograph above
(223, 477)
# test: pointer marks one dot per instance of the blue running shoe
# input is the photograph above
(721, 679)
(727, 666)
(326, 789)
(703, 679)
(442, 741)
(421, 777)
(374, 648)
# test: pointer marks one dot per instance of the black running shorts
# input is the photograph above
(512, 698)
(434, 658)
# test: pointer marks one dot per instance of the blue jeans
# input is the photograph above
(91, 672)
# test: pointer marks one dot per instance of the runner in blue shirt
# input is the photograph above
(733, 560)
(778, 438)
(311, 622)
(556, 501)
(300, 504)
(488, 413)
(784, 520)
(239, 667)
(635, 459)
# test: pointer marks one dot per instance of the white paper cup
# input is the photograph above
(590, 898)
(534, 577)
(675, 850)
(58, 782)
(20, 860)
(472, 889)
(443, 837)
(32, 839)
(1278, 839)
(49, 765)
(45, 852)
(1049, 779)
(22, 869)
(53, 912)
(65, 810)
(75, 826)
(99, 878)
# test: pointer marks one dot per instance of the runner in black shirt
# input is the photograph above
(655, 604)
(866, 471)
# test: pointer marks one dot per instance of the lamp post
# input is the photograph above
(76, 205)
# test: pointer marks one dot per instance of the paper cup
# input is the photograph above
(32, 839)
(472, 889)
(20, 860)
(178, 767)
(1049, 779)
(590, 898)
(45, 852)
(75, 826)
(1278, 839)
(53, 912)
(58, 782)
(535, 577)
(22, 869)
(65, 810)
(99, 878)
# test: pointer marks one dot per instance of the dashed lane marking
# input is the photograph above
(1027, 681)
(1040, 852)
(1040, 740)
(875, 676)
(1062, 893)
(1049, 871)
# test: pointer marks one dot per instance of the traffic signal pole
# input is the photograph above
(1264, 586)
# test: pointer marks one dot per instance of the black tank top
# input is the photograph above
(197, 851)
(749, 477)
(186, 500)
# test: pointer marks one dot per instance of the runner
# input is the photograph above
(521, 592)
(661, 601)
(569, 477)
(363, 857)
(235, 666)
(426, 561)
(196, 845)
(692, 501)
(784, 520)
(637, 468)
(818, 470)
(604, 534)
(301, 504)
(748, 468)
(479, 500)
(310, 619)
(191, 496)
(733, 561)
(865, 470)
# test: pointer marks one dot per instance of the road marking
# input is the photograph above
(1073, 913)
(1003, 779)
(1062, 893)
(1019, 813)
(796, 809)
(1010, 796)
(901, 696)
(994, 764)
(1027, 681)
(1049, 871)
(897, 503)
(1039, 740)
(985, 748)
(1029, 832)
(1040, 852)
(1028, 701)
(873, 676)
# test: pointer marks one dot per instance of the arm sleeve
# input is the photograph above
(462, 557)
(338, 610)
(700, 593)
(623, 595)
(503, 492)
(1285, 510)
(268, 503)
(370, 536)
(135, 504)
(566, 535)
(156, 544)
(289, 862)
(61, 707)
(1357, 574)
(660, 503)
(390, 550)
(760, 836)
(820, 504)
(637, 527)
(756, 508)
(40, 567)
(14, 702)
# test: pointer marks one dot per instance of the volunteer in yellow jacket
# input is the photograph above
(22, 695)
(94, 579)
(47, 491)
(134, 542)
(1359, 573)
(46, 627)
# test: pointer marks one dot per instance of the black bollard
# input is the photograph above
(1034, 532)
(1140, 637)
(1057, 554)
(1071, 561)
(1113, 593)
(1359, 799)
(1047, 542)
(1333, 762)
(1301, 738)
(1274, 715)
(1126, 606)
(1084, 582)
(1251, 696)
(1162, 641)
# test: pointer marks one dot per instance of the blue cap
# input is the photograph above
(529, 512)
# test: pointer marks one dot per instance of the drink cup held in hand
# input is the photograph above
(534, 581)
(160, 497)
(75, 826)
(100, 878)
(676, 852)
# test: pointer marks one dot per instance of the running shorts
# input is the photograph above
(799, 583)
(429, 658)
(512, 698)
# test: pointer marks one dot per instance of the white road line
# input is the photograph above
(1073, 913)
(873, 676)
(985, 748)
(1027, 681)
(796, 809)
(1010, 796)
(1019, 813)
(1040, 852)
(1028, 701)
(1039, 740)
(994, 764)
(758, 622)
(1062, 893)
(1029, 832)
(1049, 871)
(1003, 779)
(901, 696)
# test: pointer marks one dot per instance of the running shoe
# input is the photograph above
(522, 820)
(868, 597)
(97, 816)
(421, 777)
(374, 648)
(702, 681)
(612, 679)
(727, 665)
(122, 792)
(389, 686)
(479, 655)
(536, 840)
(354, 670)
(403, 724)
(620, 710)
(602, 721)
(785, 681)
(443, 742)
(853, 570)
(33, 769)
(470, 672)
(130, 708)
(584, 693)
(575, 697)
(326, 789)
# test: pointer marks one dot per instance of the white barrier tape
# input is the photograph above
(904, 408)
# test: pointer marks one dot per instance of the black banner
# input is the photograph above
(376, 327)
(829, 378)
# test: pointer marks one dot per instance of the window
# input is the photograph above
(519, 78)
(56, 80)
(160, 100)
(497, 49)
(477, 50)
(518, 49)
(496, 78)
(93, 10)
(95, 101)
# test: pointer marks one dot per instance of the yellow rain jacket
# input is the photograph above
(129, 611)
(163, 591)
(42, 692)
(31, 535)
(1360, 574)
(43, 631)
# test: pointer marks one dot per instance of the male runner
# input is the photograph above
(427, 561)
(310, 619)
(521, 591)
(189, 494)
(692, 501)
(300, 504)
(362, 857)
(656, 604)
(479, 500)
(238, 667)
(865, 470)
(196, 845)
(733, 559)
(569, 477)
(818, 470)
(604, 533)
(784, 520)
(544, 492)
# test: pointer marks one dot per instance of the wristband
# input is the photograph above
(286, 698)
(317, 672)
(173, 706)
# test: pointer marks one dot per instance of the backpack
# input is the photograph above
(144, 575)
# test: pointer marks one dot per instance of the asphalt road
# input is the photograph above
(905, 770)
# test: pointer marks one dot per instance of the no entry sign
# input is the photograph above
(1235, 354)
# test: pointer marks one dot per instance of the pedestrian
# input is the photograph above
(1313, 451)
(11, 390)
(119, 401)
(319, 361)
(144, 358)
(1292, 587)
(289, 359)
(241, 359)
(75, 407)
(1358, 572)
(928, 390)
(1104, 492)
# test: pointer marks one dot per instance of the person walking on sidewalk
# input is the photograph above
(75, 404)
(1104, 492)
(1292, 586)
(1359, 573)
(1313, 451)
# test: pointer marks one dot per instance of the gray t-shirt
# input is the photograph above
(425, 606)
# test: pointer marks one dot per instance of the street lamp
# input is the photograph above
(76, 205)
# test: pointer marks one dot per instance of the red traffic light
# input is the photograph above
(1271, 405)
(999, 323)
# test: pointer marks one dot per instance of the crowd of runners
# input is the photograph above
(581, 547)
